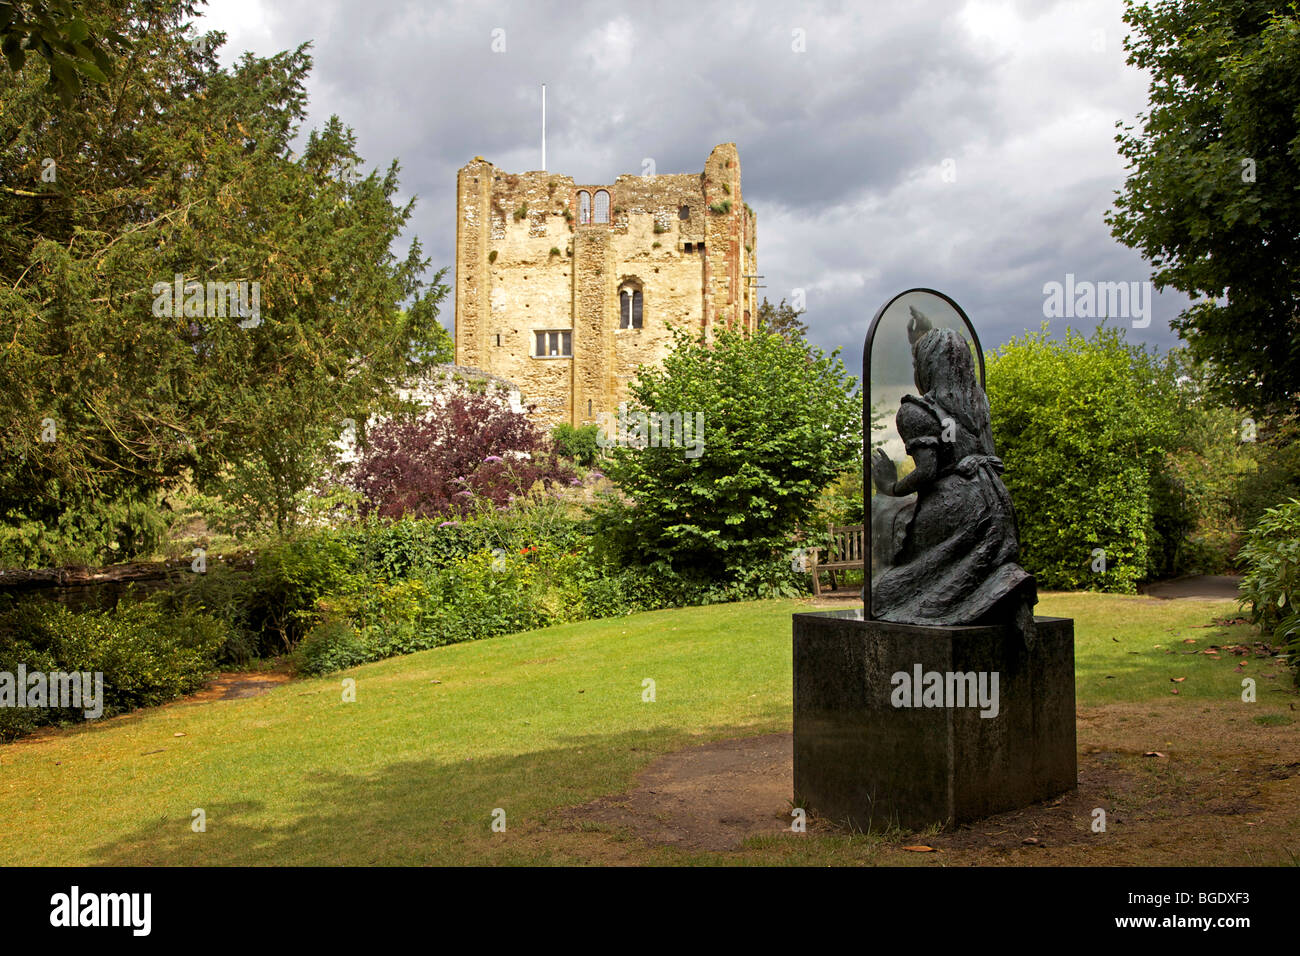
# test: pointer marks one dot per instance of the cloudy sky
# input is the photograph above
(967, 145)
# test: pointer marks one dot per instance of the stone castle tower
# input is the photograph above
(564, 288)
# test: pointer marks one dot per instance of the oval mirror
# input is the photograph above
(887, 367)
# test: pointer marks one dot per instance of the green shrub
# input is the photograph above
(147, 653)
(780, 420)
(578, 444)
(394, 549)
(289, 578)
(1271, 585)
(1085, 428)
(271, 605)
(331, 646)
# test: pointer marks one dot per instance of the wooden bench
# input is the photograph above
(844, 553)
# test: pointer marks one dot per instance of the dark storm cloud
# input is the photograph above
(842, 143)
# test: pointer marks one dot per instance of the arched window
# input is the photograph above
(629, 307)
(602, 206)
(584, 207)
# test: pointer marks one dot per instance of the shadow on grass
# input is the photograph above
(423, 812)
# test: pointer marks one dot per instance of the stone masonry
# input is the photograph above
(532, 255)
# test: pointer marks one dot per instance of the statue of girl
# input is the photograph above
(954, 560)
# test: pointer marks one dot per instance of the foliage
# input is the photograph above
(147, 654)
(58, 33)
(1271, 585)
(1210, 468)
(781, 419)
(331, 646)
(114, 390)
(1275, 477)
(85, 533)
(580, 444)
(473, 446)
(1210, 199)
(782, 319)
(840, 502)
(1085, 428)
(270, 606)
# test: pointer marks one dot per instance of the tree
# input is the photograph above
(130, 366)
(1085, 428)
(779, 419)
(1211, 198)
(782, 319)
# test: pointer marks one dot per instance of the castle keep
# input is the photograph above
(565, 288)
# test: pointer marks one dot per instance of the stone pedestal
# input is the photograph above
(884, 732)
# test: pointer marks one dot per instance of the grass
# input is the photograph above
(531, 723)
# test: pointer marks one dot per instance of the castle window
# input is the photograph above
(629, 308)
(554, 344)
(684, 212)
(689, 247)
(584, 208)
(602, 206)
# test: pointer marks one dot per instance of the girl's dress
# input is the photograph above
(943, 571)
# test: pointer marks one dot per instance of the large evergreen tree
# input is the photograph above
(177, 167)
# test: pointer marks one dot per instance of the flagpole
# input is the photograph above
(543, 127)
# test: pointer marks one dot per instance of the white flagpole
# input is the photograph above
(543, 127)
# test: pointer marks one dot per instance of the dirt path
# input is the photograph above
(235, 685)
(1224, 790)
(1201, 587)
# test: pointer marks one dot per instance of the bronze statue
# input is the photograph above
(950, 558)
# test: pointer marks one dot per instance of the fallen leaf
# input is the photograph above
(178, 734)
(1153, 753)
(921, 849)
(1030, 841)
(1178, 680)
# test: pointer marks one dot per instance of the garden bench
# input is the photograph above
(844, 553)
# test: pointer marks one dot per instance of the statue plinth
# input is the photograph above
(902, 724)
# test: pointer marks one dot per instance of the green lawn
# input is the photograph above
(531, 723)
